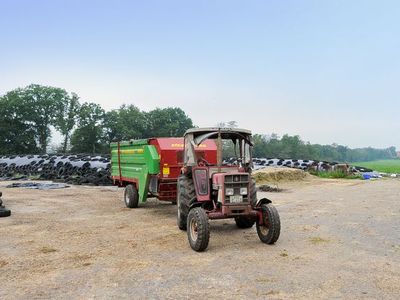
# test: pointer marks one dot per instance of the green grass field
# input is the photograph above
(387, 166)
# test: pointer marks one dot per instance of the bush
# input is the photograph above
(335, 174)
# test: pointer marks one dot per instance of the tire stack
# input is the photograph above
(72, 169)
(4, 212)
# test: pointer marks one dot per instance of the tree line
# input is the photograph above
(293, 147)
(29, 115)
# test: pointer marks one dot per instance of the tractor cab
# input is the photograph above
(225, 189)
(231, 142)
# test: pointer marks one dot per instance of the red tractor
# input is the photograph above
(219, 191)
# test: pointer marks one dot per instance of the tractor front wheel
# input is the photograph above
(131, 196)
(198, 229)
(269, 231)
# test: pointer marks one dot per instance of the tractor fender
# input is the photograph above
(263, 201)
(195, 204)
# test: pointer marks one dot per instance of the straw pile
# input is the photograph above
(277, 174)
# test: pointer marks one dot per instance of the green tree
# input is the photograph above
(66, 118)
(260, 145)
(295, 148)
(125, 123)
(41, 105)
(88, 137)
(171, 121)
(16, 133)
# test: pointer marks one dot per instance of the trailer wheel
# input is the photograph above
(198, 229)
(270, 230)
(244, 222)
(131, 196)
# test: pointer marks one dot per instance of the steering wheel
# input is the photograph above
(202, 162)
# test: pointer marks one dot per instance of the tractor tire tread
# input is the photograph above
(185, 188)
(203, 229)
(274, 224)
(253, 192)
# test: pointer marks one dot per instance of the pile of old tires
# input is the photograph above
(4, 212)
(73, 169)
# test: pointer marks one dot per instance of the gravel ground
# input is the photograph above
(339, 239)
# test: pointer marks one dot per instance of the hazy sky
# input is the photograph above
(326, 70)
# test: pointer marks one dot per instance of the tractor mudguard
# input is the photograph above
(262, 201)
(195, 204)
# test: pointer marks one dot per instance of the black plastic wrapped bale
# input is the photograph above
(4, 212)
(73, 169)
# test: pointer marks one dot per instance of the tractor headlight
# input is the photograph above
(243, 191)
(229, 191)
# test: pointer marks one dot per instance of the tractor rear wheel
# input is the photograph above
(244, 222)
(253, 192)
(185, 197)
(198, 229)
(269, 231)
(131, 196)
(181, 218)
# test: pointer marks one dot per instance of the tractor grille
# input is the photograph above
(236, 182)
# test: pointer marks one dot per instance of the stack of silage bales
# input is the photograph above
(4, 212)
(74, 169)
(303, 164)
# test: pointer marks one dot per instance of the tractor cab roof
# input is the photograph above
(201, 134)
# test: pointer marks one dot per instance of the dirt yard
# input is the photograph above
(339, 239)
